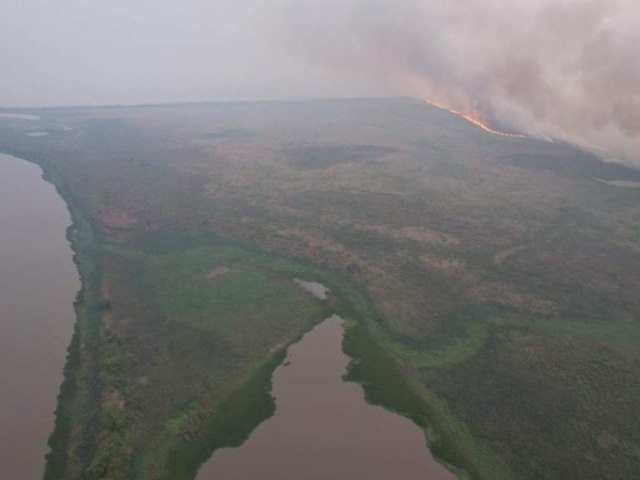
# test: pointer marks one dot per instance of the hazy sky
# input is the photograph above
(567, 69)
(66, 52)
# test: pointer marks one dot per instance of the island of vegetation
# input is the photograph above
(490, 284)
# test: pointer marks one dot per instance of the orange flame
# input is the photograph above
(474, 120)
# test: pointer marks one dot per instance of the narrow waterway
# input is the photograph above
(38, 283)
(323, 428)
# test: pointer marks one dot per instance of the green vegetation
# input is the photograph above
(490, 283)
(179, 339)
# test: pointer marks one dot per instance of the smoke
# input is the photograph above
(555, 69)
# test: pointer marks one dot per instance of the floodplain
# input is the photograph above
(488, 283)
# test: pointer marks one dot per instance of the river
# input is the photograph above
(323, 428)
(38, 283)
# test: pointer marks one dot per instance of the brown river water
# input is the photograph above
(323, 428)
(38, 283)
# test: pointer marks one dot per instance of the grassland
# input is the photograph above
(492, 283)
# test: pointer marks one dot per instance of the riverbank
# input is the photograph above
(78, 402)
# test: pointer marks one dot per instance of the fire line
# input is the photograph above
(469, 118)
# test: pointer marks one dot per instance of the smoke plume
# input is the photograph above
(555, 69)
